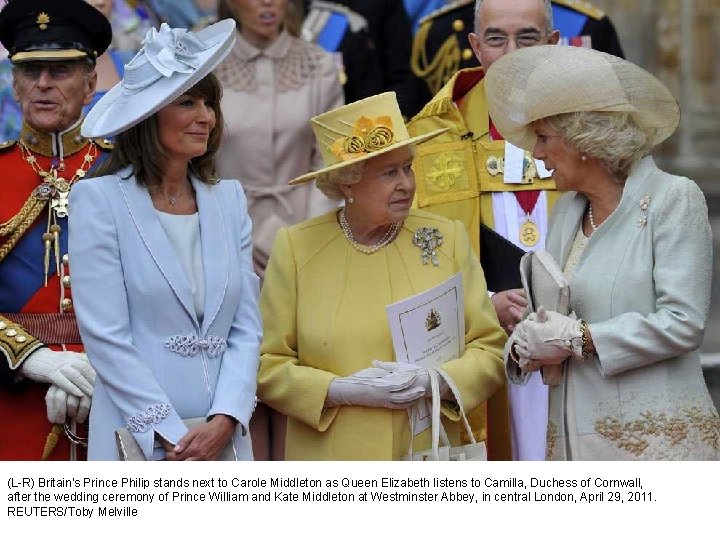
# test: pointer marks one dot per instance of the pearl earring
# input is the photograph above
(350, 200)
(583, 157)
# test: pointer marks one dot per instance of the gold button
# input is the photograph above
(10, 332)
(66, 304)
(467, 54)
(21, 339)
(66, 282)
(65, 259)
(458, 25)
(2, 325)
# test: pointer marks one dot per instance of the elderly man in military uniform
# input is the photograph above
(500, 193)
(45, 382)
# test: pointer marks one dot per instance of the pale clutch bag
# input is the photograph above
(129, 449)
(545, 285)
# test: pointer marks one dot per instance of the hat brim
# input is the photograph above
(120, 109)
(335, 166)
(48, 55)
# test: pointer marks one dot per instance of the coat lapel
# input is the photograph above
(215, 253)
(147, 223)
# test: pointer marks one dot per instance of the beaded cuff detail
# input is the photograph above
(142, 421)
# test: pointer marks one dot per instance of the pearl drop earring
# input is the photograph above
(583, 157)
(350, 200)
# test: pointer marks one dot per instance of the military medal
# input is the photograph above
(529, 234)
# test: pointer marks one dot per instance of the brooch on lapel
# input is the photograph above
(428, 239)
(644, 203)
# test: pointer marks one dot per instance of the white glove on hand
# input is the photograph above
(68, 370)
(549, 337)
(375, 387)
(423, 378)
(61, 406)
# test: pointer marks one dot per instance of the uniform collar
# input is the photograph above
(57, 144)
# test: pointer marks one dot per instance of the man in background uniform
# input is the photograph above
(45, 383)
(499, 192)
(441, 47)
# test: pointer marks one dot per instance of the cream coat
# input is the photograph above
(323, 304)
(643, 285)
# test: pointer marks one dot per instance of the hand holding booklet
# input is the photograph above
(428, 329)
(545, 285)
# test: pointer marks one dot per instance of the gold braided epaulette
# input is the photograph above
(6, 145)
(586, 8)
(444, 9)
(105, 144)
(434, 107)
(15, 343)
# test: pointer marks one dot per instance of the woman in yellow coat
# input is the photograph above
(329, 280)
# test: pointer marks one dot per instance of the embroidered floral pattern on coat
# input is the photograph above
(190, 345)
(142, 421)
(655, 434)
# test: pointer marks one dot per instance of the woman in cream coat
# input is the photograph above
(327, 286)
(165, 294)
(635, 245)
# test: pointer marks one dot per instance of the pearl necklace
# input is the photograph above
(592, 219)
(384, 241)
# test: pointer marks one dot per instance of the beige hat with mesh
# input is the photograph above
(360, 130)
(538, 82)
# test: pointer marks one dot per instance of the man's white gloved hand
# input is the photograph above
(375, 387)
(68, 370)
(549, 337)
(61, 406)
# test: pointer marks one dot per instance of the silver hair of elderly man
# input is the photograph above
(548, 15)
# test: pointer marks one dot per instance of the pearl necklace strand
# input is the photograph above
(384, 241)
(592, 219)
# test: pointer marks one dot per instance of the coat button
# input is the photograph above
(66, 282)
(458, 25)
(467, 54)
(66, 304)
(66, 259)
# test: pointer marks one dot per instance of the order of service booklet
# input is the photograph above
(428, 329)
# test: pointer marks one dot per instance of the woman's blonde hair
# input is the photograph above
(613, 138)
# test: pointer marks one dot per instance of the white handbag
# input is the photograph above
(129, 449)
(545, 285)
(474, 451)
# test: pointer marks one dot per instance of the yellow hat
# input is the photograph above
(359, 131)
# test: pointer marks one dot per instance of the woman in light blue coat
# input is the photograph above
(165, 293)
(634, 243)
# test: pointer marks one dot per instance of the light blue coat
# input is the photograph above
(643, 285)
(156, 364)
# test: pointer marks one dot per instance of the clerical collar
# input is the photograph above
(58, 144)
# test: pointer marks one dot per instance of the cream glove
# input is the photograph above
(423, 378)
(61, 406)
(549, 337)
(375, 387)
(68, 370)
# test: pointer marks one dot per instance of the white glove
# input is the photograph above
(375, 387)
(68, 370)
(549, 337)
(61, 406)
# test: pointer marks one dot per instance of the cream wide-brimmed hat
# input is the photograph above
(538, 82)
(360, 130)
(171, 61)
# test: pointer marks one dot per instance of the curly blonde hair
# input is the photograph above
(613, 138)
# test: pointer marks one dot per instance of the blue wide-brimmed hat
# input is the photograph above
(171, 62)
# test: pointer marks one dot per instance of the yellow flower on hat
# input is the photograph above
(369, 135)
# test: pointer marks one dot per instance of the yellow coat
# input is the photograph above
(323, 305)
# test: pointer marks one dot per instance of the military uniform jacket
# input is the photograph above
(33, 313)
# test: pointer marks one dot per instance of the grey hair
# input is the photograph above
(613, 138)
(548, 16)
(329, 182)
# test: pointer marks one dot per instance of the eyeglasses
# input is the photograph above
(526, 39)
(57, 71)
